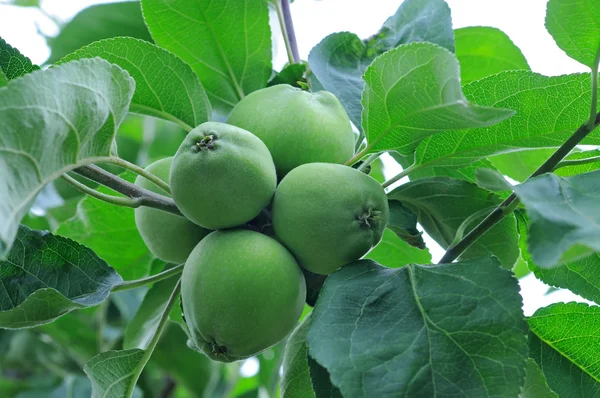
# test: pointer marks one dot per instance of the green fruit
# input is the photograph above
(329, 215)
(168, 236)
(222, 176)
(297, 126)
(241, 293)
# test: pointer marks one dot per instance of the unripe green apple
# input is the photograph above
(222, 176)
(168, 236)
(329, 215)
(241, 293)
(297, 126)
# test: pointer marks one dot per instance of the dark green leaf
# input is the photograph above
(444, 204)
(98, 22)
(563, 342)
(403, 222)
(227, 43)
(536, 385)
(483, 51)
(142, 327)
(413, 92)
(111, 232)
(564, 217)
(73, 110)
(549, 110)
(436, 330)
(46, 276)
(166, 87)
(13, 64)
(291, 74)
(575, 27)
(340, 59)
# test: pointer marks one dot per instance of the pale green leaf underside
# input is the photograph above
(564, 217)
(112, 372)
(571, 331)
(384, 332)
(413, 92)
(548, 111)
(166, 87)
(483, 51)
(46, 276)
(575, 26)
(536, 385)
(52, 122)
(227, 43)
(295, 378)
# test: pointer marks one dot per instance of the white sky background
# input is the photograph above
(522, 20)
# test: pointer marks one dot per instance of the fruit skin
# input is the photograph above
(168, 236)
(241, 293)
(298, 127)
(329, 215)
(223, 181)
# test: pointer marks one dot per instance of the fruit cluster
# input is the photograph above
(242, 287)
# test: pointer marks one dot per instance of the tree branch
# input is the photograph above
(511, 202)
(143, 196)
(148, 280)
(289, 28)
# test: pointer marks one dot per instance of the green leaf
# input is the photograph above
(548, 111)
(113, 372)
(166, 87)
(295, 377)
(142, 327)
(414, 91)
(75, 334)
(291, 74)
(227, 43)
(536, 385)
(394, 252)
(443, 205)
(520, 165)
(73, 110)
(188, 367)
(302, 376)
(98, 22)
(564, 217)
(492, 180)
(111, 232)
(3, 79)
(575, 26)
(46, 276)
(483, 51)
(403, 222)
(563, 342)
(25, 3)
(582, 277)
(340, 59)
(395, 332)
(13, 64)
